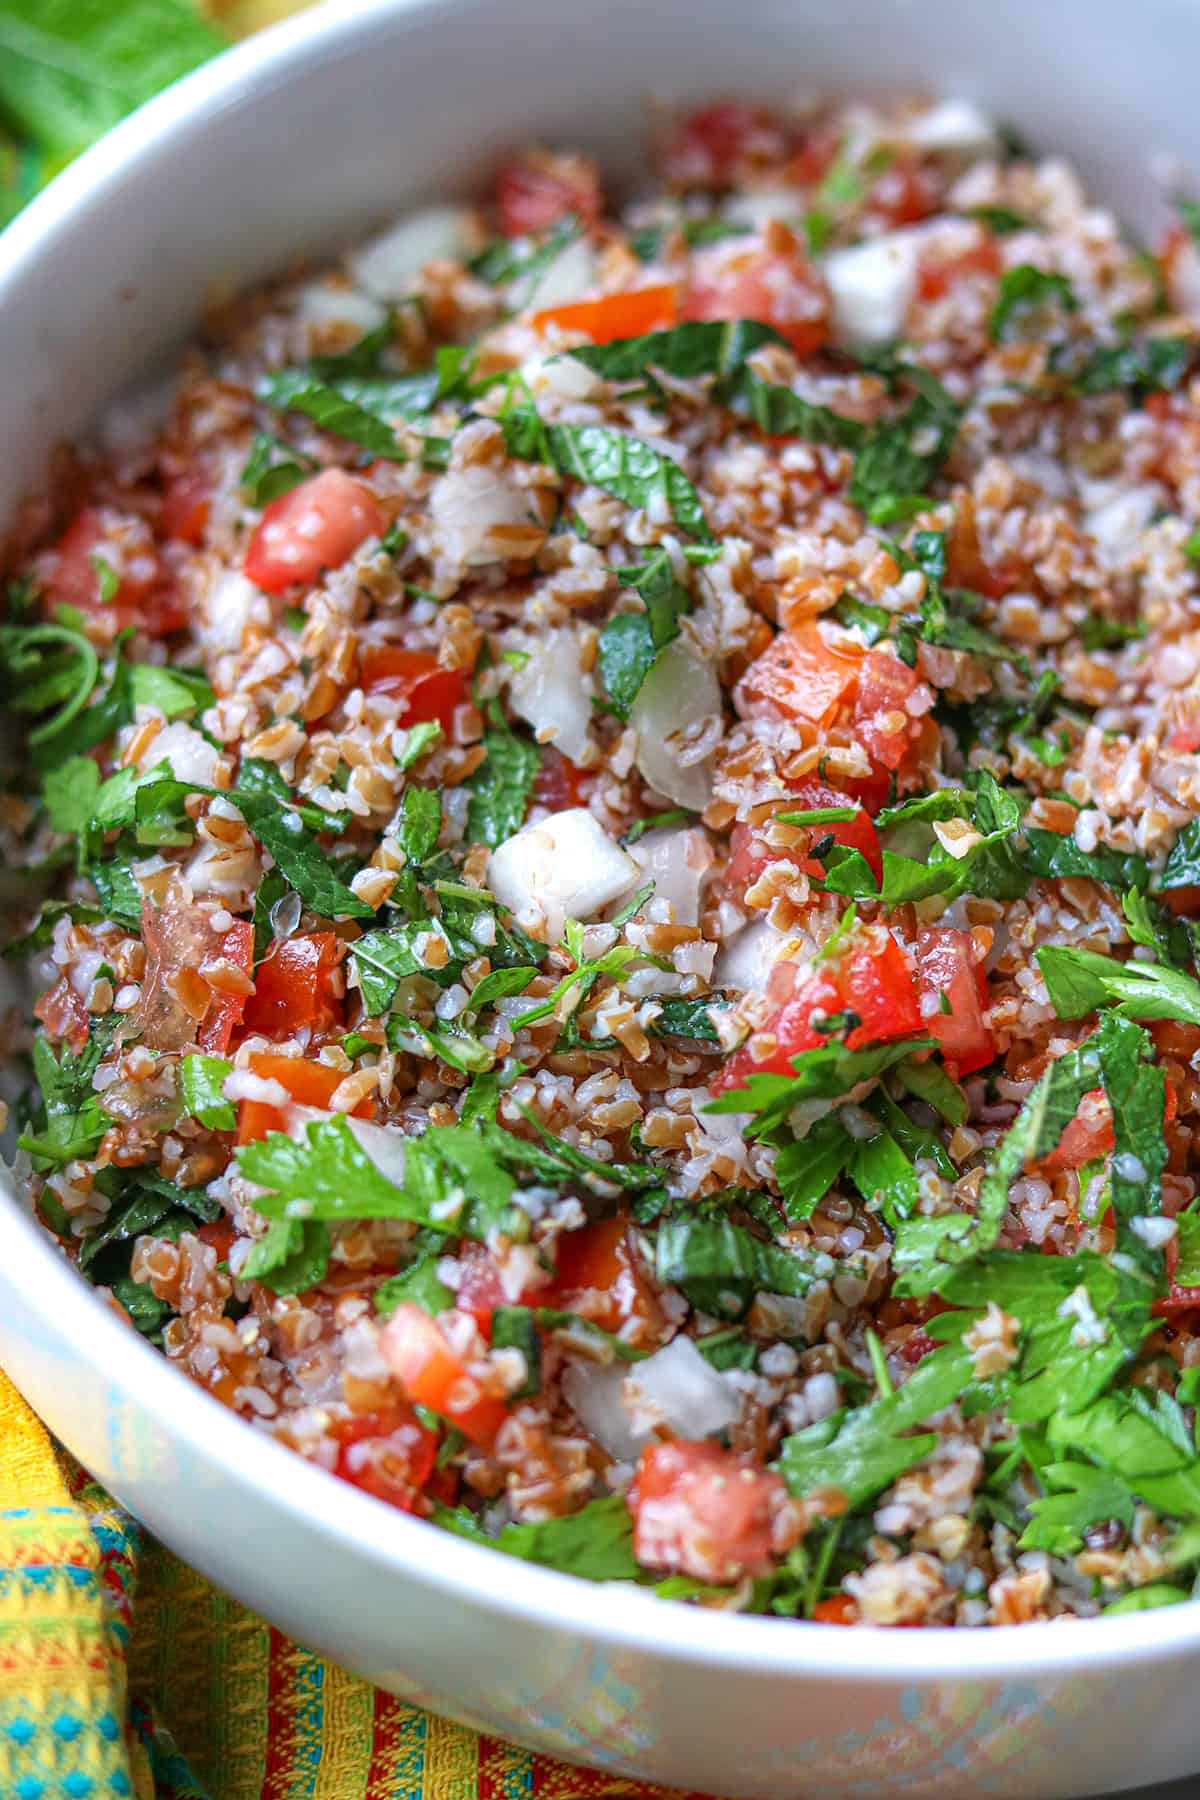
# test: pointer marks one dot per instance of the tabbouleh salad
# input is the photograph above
(610, 845)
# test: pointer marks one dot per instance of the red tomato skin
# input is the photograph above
(428, 692)
(774, 285)
(873, 980)
(186, 501)
(878, 985)
(293, 987)
(219, 1235)
(1184, 902)
(704, 1511)
(146, 599)
(432, 1374)
(481, 1289)
(308, 1084)
(538, 189)
(1088, 1136)
(224, 1015)
(388, 1453)
(936, 278)
(887, 687)
(839, 1609)
(903, 194)
(946, 964)
(706, 147)
(559, 783)
(750, 854)
(599, 1274)
(616, 316)
(802, 676)
(315, 526)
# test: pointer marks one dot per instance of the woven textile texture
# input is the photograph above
(92, 1675)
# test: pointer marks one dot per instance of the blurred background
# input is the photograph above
(70, 69)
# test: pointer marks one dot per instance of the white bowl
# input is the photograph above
(298, 141)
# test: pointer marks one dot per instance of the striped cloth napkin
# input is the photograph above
(175, 1692)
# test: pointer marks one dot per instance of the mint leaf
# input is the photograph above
(721, 1266)
(1025, 290)
(924, 1247)
(626, 466)
(71, 69)
(501, 788)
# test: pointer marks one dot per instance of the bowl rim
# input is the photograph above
(615, 1614)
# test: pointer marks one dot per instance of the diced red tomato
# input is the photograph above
(814, 159)
(294, 986)
(877, 984)
(308, 1084)
(874, 979)
(938, 275)
(772, 282)
(750, 853)
(481, 1289)
(801, 676)
(65, 1015)
(225, 1013)
(616, 315)
(917, 1345)
(313, 527)
(839, 1609)
(947, 965)
(707, 1512)
(219, 1235)
(388, 1453)
(1184, 902)
(433, 1374)
(427, 690)
(540, 187)
(1186, 739)
(599, 1275)
(186, 500)
(72, 574)
(889, 708)
(558, 783)
(903, 193)
(1088, 1136)
(707, 147)
(178, 935)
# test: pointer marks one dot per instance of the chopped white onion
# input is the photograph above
(1119, 515)
(621, 1406)
(467, 505)
(385, 266)
(566, 867)
(383, 1144)
(328, 303)
(680, 1388)
(678, 863)
(553, 692)
(678, 700)
(758, 207)
(596, 1395)
(191, 757)
(872, 285)
(957, 126)
(745, 964)
(567, 278)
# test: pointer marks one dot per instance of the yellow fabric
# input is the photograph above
(252, 1716)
